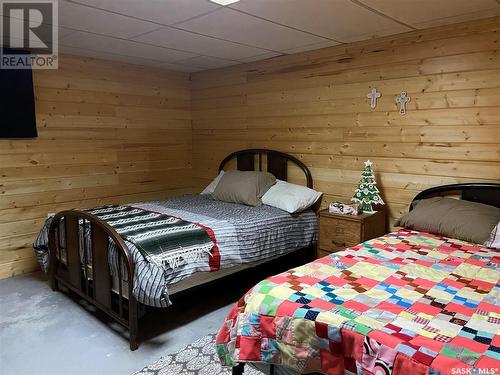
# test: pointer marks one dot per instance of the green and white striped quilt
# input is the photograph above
(162, 239)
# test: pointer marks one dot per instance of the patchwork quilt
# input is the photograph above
(405, 303)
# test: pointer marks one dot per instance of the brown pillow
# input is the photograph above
(454, 218)
(243, 187)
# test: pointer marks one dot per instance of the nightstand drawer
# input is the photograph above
(336, 235)
(336, 232)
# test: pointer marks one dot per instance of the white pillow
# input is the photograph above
(211, 186)
(291, 198)
(494, 240)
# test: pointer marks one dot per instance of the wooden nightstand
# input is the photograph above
(336, 232)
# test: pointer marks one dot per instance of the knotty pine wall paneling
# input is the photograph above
(112, 132)
(314, 106)
(108, 133)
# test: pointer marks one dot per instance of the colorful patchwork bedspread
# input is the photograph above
(406, 303)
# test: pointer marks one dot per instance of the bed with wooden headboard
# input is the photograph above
(90, 258)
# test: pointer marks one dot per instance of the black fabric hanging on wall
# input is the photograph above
(17, 103)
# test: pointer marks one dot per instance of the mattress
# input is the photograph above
(244, 236)
(407, 302)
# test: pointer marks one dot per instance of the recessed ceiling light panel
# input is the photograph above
(224, 2)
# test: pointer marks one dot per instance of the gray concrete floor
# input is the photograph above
(45, 332)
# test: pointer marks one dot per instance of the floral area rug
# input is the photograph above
(198, 358)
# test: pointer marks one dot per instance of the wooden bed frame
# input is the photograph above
(98, 289)
(486, 193)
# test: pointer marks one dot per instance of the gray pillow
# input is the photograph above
(243, 187)
(454, 218)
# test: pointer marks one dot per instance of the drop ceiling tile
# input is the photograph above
(128, 59)
(64, 32)
(263, 56)
(107, 56)
(79, 17)
(341, 20)
(123, 47)
(206, 62)
(199, 44)
(166, 12)
(460, 18)
(422, 11)
(310, 47)
(179, 67)
(238, 27)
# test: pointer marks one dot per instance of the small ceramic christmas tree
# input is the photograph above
(367, 193)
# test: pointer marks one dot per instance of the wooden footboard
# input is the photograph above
(80, 262)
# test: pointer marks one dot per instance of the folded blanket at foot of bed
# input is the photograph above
(162, 239)
(406, 303)
(155, 240)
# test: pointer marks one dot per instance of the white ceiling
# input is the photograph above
(194, 35)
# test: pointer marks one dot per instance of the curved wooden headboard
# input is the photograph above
(277, 163)
(487, 193)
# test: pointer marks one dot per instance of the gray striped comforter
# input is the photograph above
(243, 234)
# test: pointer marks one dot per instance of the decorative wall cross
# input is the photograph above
(373, 96)
(402, 99)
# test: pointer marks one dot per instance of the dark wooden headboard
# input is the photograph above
(487, 193)
(277, 163)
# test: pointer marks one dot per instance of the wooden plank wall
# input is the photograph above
(108, 133)
(314, 106)
(111, 132)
